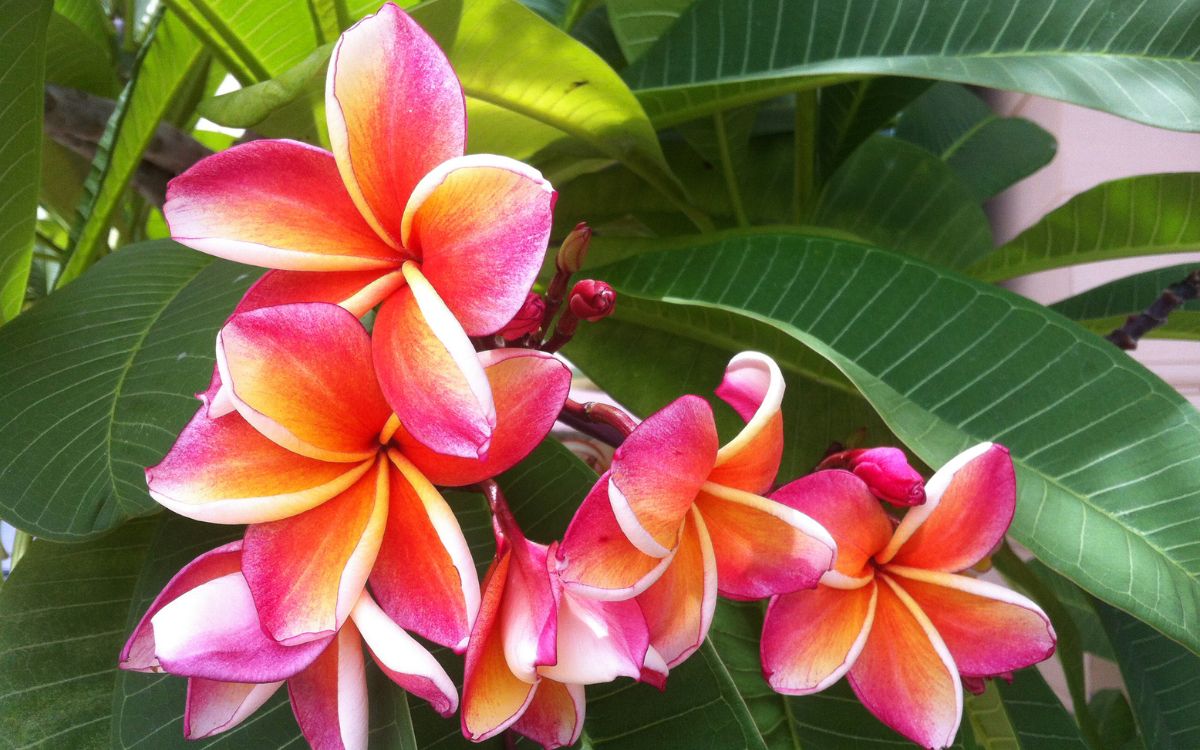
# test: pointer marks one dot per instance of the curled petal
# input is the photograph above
(679, 606)
(555, 716)
(480, 224)
(905, 675)
(762, 547)
(529, 614)
(811, 638)
(886, 472)
(406, 662)
(529, 388)
(213, 706)
(356, 291)
(753, 386)
(276, 204)
(424, 577)
(969, 506)
(307, 571)
(224, 471)
(395, 111)
(329, 698)
(658, 470)
(598, 641)
(430, 373)
(302, 375)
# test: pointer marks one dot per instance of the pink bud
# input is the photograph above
(977, 685)
(885, 471)
(592, 300)
(527, 320)
(573, 250)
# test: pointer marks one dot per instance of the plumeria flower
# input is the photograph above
(894, 614)
(335, 492)
(677, 520)
(450, 244)
(535, 646)
(204, 626)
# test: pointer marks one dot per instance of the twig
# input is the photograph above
(1137, 326)
(606, 423)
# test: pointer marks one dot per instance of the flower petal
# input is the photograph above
(968, 508)
(658, 470)
(213, 706)
(307, 571)
(302, 375)
(905, 675)
(430, 373)
(493, 697)
(480, 225)
(753, 386)
(843, 504)
(329, 698)
(395, 111)
(356, 291)
(762, 547)
(989, 629)
(529, 614)
(138, 653)
(529, 388)
(276, 204)
(424, 577)
(213, 631)
(598, 641)
(406, 662)
(224, 471)
(679, 606)
(555, 716)
(598, 560)
(811, 639)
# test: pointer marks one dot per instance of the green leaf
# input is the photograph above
(1133, 59)
(22, 69)
(99, 381)
(1117, 725)
(164, 65)
(899, 196)
(1106, 307)
(1036, 713)
(723, 140)
(63, 616)
(1079, 609)
(1146, 215)
(988, 152)
(850, 113)
(1159, 675)
(639, 23)
(988, 722)
(79, 47)
(254, 40)
(1107, 466)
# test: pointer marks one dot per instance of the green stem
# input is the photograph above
(806, 152)
(20, 547)
(731, 180)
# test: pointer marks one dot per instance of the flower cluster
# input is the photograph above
(329, 442)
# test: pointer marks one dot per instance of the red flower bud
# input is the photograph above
(573, 250)
(977, 685)
(527, 320)
(885, 471)
(592, 300)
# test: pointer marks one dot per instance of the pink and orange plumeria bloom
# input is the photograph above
(450, 244)
(204, 626)
(677, 520)
(335, 494)
(895, 615)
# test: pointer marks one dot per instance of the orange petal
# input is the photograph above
(679, 606)
(307, 571)
(329, 698)
(302, 375)
(811, 639)
(762, 547)
(213, 706)
(395, 111)
(968, 508)
(753, 386)
(275, 204)
(424, 577)
(555, 716)
(905, 675)
(224, 471)
(529, 388)
(430, 372)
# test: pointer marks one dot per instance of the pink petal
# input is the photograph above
(430, 372)
(395, 111)
(480, 225)
(356, 291)
(811, 639)
(969, 506)
(753, 386)
(276, 204)
(530, 613)
(555, 716)
(329, 698)
(679, 606)
(885, 470)
(598, 641)
(213, 706)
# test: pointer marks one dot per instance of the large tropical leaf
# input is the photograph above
(1134, 59)
(22, 70)
(1106, 453)
(1145, 215)
(638, 24)
(97, 381)
(1107, 306)
(254, 40)
(850, 113)
(79, 47)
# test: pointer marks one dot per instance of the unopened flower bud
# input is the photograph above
(527, 320)
(592, 300)
(978, 685)
(885, 471)
(574, 249)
